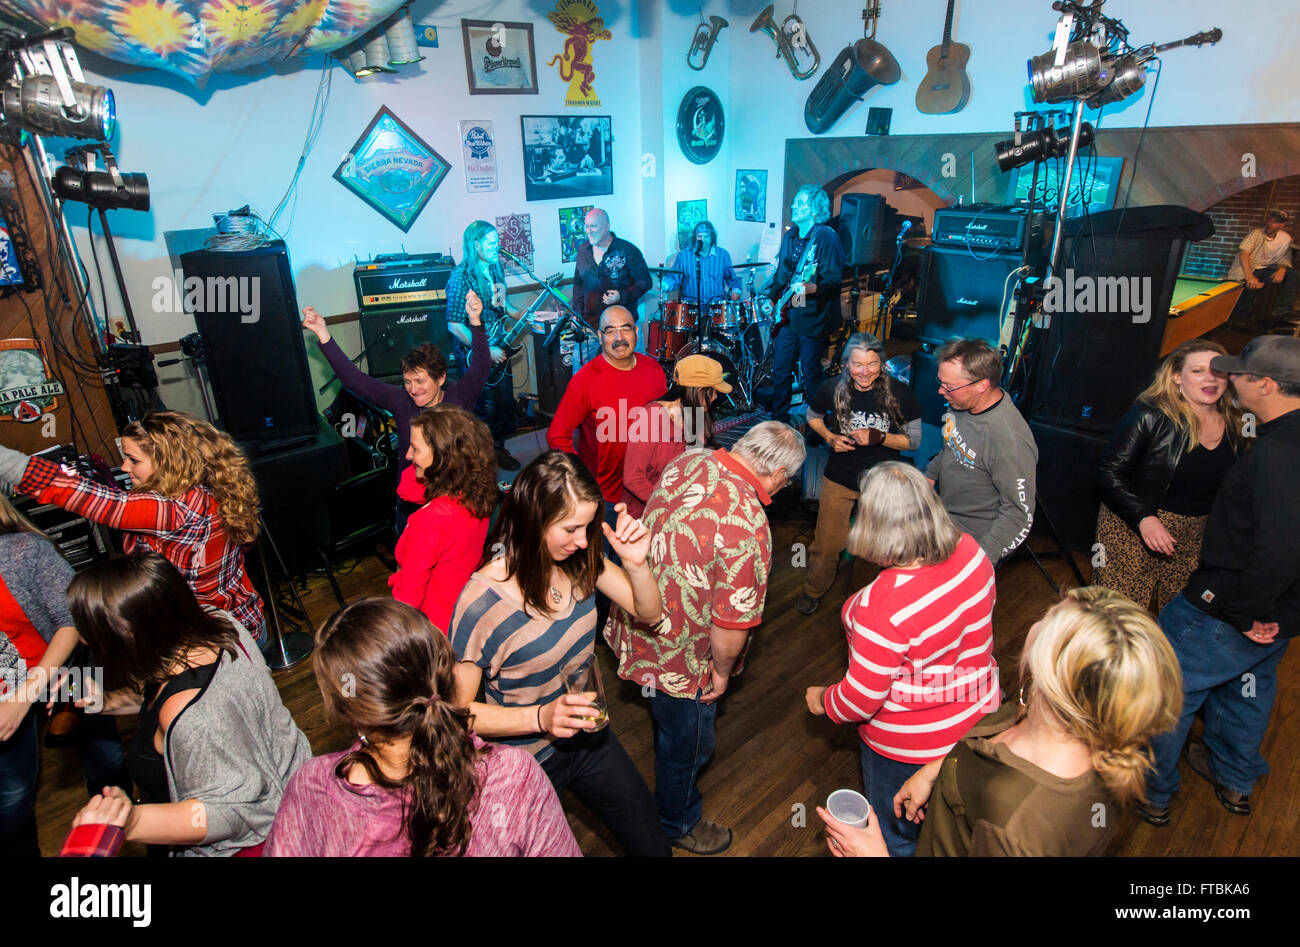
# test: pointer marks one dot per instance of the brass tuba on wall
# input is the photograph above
(791, 38)
(847, 79)
(706, 34)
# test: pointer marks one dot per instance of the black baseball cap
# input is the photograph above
(1268, 356)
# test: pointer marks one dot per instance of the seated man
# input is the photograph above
(1265, 257)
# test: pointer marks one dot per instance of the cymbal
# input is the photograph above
(741, 266)
(664, 271)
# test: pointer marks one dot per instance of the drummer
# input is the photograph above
(716, 275)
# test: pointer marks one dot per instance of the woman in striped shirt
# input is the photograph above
(192, 498)
(528, 616)
(921, 669)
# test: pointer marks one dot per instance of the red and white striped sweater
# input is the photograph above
(921, 669)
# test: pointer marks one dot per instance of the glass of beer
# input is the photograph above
(584, 679)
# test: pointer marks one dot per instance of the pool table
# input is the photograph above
(1198, 305)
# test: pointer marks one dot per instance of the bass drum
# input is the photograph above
(722, 356)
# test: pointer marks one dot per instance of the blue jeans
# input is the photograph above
(788, 344)
(882, 778)
(684, 740)
(1235, 681)
(19, 761)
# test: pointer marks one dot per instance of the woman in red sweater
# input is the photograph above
(660, 432)
(921, 669)
(452, 454)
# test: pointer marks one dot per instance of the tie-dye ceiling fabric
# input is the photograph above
(195, 37)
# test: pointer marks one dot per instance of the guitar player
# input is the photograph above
(810, 263)
(480, 270)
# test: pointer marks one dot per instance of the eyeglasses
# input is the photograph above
(611, 331)
(949, 389)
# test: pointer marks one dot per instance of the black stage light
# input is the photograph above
(1040, 144)
(100, 189)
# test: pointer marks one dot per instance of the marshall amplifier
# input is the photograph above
(961, 294)
(402, 303)
(986, 228)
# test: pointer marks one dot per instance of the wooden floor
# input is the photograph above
(774, 761)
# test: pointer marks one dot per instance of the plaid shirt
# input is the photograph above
(187, 530)
(93, 841)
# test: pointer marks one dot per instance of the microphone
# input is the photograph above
(907, 225)
(504, 252)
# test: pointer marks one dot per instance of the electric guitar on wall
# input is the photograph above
(945, 88)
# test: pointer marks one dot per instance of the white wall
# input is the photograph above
(1249, 77)
(238, 140)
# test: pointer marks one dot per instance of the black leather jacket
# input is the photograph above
(1139, 463)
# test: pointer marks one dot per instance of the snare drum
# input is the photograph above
(680, 317)
(727, 314)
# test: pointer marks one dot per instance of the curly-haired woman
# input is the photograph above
(192, 498)
(452, 454)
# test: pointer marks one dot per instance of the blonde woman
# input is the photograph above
(1160, 474)
(1100, 680)
(192, 498)
(921, 671)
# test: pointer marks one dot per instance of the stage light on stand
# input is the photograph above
(1076, 77)
(400, 34)
(36, 104)
(1128, 75)
(1037, 145)
(124, 191)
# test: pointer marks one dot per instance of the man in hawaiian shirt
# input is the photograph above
(711, 552)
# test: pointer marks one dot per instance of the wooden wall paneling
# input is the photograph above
(83, 415)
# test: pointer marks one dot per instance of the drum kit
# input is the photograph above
(735, 332)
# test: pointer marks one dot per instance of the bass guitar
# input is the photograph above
(946, 87)
(506, 337)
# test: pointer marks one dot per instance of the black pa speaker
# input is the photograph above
(1067, 481)
(554, 368)
(1102, 342)
(862, 229)
(961, 294)
(247, 312)
(925, 385)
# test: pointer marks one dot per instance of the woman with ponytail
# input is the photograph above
(417, 782)
(1099, 681)
(192, 498)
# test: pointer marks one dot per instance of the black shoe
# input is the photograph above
(1198, 757)
(807, 604)
(505, 461)
(1152, 815)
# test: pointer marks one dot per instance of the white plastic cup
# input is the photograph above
(849, 807)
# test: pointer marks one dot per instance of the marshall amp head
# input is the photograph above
(402, 303)
(402, 281)
(997, 229)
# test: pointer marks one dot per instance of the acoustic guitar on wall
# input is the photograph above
(945, 88)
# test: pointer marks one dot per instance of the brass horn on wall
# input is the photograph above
(791, 38)
(850, 76)
(706, 34)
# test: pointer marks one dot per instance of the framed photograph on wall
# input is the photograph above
(499, 57)
(567, 156)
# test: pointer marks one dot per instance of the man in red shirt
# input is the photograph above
(711, 553)
(598, 399)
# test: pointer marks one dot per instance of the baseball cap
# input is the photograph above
(700, 371)
(1272, 356)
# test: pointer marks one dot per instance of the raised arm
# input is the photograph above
(388, 397)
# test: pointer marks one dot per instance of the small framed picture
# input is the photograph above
(499, 57)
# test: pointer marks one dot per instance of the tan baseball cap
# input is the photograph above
(700, 371)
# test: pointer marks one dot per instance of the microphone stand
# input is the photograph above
(701, 323)
(364, 352)
(570, 315)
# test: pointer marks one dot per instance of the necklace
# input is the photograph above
(556, 595)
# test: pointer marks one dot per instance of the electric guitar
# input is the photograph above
(504, 337)
(781, 311)
(946, 87)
